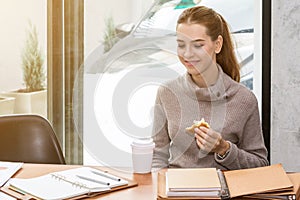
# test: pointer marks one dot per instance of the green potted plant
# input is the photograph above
(33, 97)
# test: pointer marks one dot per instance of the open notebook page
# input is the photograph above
(66, 184)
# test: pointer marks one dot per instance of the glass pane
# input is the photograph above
(121, 83)
(23, 59)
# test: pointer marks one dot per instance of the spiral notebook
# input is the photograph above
(83, 181)
(7, 170)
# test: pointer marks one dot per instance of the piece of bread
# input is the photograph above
(197, 124)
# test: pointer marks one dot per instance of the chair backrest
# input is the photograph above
(29, 138)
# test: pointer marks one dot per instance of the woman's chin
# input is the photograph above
(193, 71)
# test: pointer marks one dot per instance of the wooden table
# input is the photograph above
(146, 189)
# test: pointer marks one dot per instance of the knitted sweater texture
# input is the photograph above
(229, 107)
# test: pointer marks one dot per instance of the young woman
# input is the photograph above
(210, 90)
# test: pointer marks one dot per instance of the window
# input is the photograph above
(120, 85)
(78, 91)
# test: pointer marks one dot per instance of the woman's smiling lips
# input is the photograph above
(191, 63)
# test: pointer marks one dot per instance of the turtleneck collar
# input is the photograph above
(222, 89)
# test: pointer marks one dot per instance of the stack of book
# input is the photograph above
(270, 182)
(202, 182)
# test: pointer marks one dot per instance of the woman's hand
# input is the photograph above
(209, 140)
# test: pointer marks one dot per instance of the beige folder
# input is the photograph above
(259, 183)
(294, 194)
(257, 180)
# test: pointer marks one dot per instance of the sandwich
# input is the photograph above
(197, 124)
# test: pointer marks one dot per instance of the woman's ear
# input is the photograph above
(219, 44)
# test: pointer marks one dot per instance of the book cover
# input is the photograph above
(292, 194)
(162, 193)
(193, 179)
(257, 180)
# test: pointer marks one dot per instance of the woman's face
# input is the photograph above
(196, 50)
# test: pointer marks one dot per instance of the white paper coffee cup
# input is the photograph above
(142, 153)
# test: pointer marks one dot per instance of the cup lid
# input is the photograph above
(143, 142)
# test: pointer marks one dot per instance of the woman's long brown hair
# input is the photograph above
(215, 26)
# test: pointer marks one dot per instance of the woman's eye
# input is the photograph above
(198, 45)
(180, 45)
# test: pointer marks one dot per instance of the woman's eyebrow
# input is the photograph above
(196, 40)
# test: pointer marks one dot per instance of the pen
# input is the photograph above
(106, 175)
(93, 180)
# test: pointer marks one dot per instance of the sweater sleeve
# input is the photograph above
(160, 135)
(250, 151)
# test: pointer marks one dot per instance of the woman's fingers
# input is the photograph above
(207, 139)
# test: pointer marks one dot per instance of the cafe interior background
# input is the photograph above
(99, 93)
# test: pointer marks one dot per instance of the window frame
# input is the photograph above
(65, 54)
(266, 73)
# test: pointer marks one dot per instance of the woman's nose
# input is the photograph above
(188, 52)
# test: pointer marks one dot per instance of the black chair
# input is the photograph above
(29, 138)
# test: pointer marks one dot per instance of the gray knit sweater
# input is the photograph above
(229, 107)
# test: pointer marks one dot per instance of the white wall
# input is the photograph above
(285, 84)
(13, 22)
